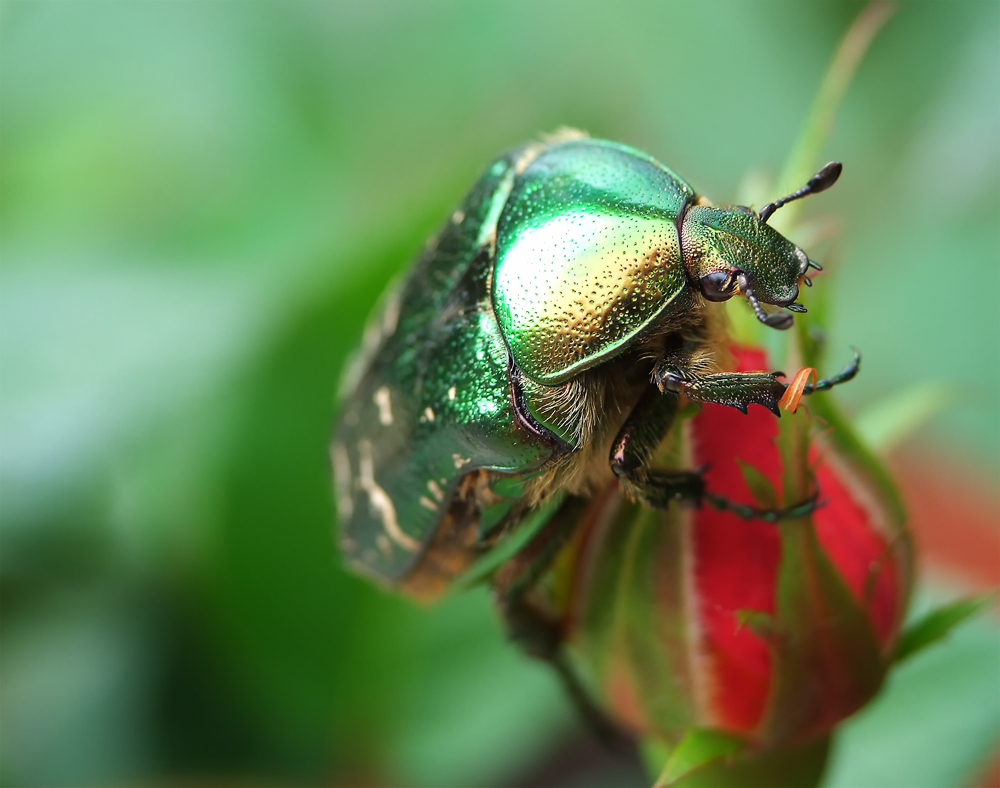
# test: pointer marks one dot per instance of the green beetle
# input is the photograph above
(539, 344)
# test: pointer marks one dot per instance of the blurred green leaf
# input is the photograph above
(815, 134)
(936, 723)
(883, 425)
(936, 624)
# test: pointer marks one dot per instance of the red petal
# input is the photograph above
(858, 550)
(735, 560)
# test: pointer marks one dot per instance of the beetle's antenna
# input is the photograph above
(779, 320)
(819, 182)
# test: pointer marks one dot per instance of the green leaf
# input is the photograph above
(696, 750)
(933, 724)
(934, 626)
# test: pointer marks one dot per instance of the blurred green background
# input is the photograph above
(200, 203)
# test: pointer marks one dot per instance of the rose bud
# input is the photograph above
(750, 636)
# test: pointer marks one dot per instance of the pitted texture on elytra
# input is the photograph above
(587, 256)
(431, 399)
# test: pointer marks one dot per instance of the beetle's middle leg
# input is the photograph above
(650, 421)
(633, 448)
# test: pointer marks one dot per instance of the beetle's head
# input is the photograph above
(730, 251)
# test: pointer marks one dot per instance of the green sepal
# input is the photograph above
(842, 434)
(759, 622)
(713, 759)
(829, 638)
(696, 750)
(938, 623)
(634, 631)
(761, 488)
(605, 598)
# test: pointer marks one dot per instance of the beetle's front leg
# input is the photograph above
(633, 448)
(736, 389)
(739, 390)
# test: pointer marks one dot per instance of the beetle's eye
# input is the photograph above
(718, 285)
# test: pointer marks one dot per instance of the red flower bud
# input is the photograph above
(703, 619)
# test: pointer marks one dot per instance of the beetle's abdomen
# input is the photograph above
(587, 256)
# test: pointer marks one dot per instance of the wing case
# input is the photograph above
(428, 399)
(588, 256)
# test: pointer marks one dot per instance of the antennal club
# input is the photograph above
(819, 182)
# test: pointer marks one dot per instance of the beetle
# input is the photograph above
(538, 348)
(543, 341)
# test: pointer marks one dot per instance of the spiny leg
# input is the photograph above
(747, 512)
(538, 634)
(740, 390)
(651, 420)
(633, 448)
